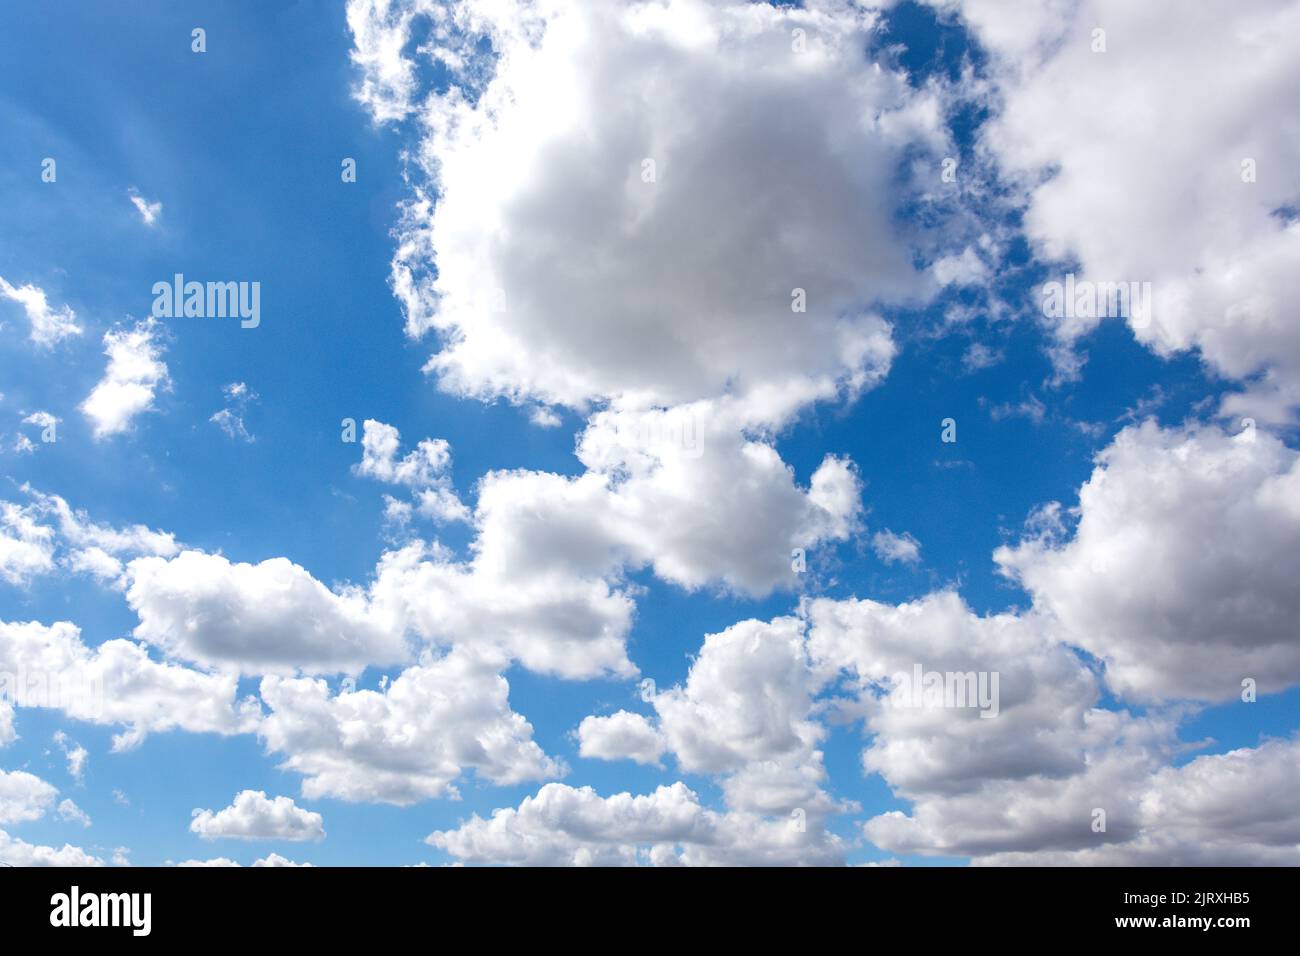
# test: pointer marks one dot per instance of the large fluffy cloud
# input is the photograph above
(1180, 572)
(1167, 201)
(1232, 809)
(627, 196)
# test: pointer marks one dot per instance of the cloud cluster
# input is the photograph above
(409, 742)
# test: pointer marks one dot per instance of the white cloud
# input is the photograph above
(26, 547)
(896, 548)
(271, 617)
(17, 852)
(622, 735)
(49, 326)
(272, 859)
(1232, 809)
(134, 372)
(408, 743)
(74, 752)
(115, 683)
(424, 470)
(1217, 253)
(149, 211)
(71, 813)
(254, 816)
(1178, 574)
(276, 860)
(23, 797)
(563, 277)
(231, 418)
(47, 533)
(567, 826)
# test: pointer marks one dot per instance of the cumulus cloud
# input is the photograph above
(271, 859)
(424, 470)
(48, 326)
(1215, 174)
(47, 533)
(568, 826)
(622, 735)
(115, 683)
(895, 548)
(18, 852)
(1178, 572)
(135, 371)
(408, 743)
(23, 797)
(26, 547)
(254, 816)
(1232, 809)
(271, 617)
(614, 173)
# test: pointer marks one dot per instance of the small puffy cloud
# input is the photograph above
(23, 797)
(48, 326)
(964, 269)
(26, 547)
(254, 816)
(135, 371)
(896, 548)
(623, 735)
(424, 470)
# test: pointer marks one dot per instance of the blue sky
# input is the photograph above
(242, 144)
